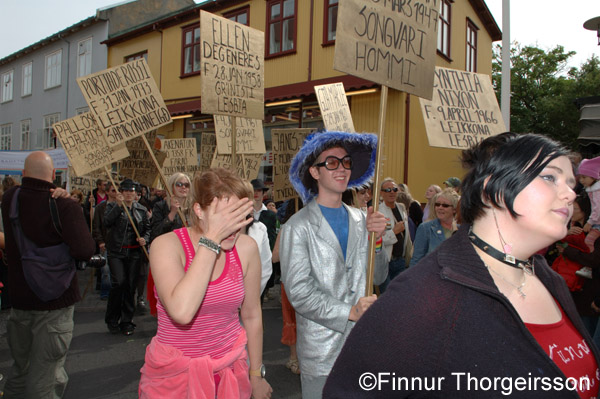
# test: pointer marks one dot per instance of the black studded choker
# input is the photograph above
(507, 259)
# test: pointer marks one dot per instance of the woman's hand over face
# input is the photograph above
(225, 216)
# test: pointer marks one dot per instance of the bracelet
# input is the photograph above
(210, 244)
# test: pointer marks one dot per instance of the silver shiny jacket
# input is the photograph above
(320, 285)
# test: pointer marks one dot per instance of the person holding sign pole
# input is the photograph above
(124, 249)
(207, 278)
(483, 316)
(324, 249)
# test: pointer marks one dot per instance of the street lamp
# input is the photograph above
(593, 24)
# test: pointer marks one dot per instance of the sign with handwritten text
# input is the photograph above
(247, 165)
(249, 135)
(232, 65)
(85, 145)
(182, 156)
(125, 101)
(208, 146)
(389, 42)
(139, 165)
(286, 143)
(463, 111)
(334, 107)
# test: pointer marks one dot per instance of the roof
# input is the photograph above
(487, 18)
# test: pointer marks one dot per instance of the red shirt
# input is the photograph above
(567, 348)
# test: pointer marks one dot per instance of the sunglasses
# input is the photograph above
(389, 190)
(332, 163)
(180, 184)
(437, 204)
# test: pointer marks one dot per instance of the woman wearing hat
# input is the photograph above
(324, 249)
(483, 316)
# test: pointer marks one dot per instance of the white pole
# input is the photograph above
(505, 91)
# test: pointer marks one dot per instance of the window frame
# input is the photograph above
(327, 7)
(85, 58)
(5, 136)
(447, 23)
(136, 56)
(26, 133)
(49, 69)
(7, 85)
(47, 131)
(471, 46)
(184, 30)
(237, 12)
(269, 21)
(27, 79)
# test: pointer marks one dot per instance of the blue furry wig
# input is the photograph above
(362, 147)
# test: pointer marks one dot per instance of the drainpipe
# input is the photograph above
(68, 78)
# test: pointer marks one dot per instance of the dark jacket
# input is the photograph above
(121, 234)
(445, 316)
(36, 222)
(99, 231)
(269, 219)
(160, 221)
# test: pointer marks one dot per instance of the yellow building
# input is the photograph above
(299, 52)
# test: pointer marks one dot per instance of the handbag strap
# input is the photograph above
(55, 218)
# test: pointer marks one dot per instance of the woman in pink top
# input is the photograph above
(206, 277)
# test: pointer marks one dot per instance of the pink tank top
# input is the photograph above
(216, 326)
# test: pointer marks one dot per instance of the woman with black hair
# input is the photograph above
(482, 316)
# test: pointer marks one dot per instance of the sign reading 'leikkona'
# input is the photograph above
(85, 145)
(389, 42)
(249, 136)
(232, 62)
(463, 111)
(125, 101)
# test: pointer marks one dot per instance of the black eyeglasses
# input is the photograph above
(437, 204)
(390, 189)
(332, 163)
(181, 184)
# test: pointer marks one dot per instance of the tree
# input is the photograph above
(543, 90)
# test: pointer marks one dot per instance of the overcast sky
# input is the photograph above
(544, 23)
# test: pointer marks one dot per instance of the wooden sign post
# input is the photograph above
(395, 46)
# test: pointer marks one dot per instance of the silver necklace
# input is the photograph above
(519, 288)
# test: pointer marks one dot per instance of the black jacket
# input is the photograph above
(160, 222)
(120, 232)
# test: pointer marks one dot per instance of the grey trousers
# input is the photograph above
(312, 386)
(38, 341)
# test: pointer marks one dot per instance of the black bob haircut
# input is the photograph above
(511, 161)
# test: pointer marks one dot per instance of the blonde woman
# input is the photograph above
(428, 213)
(165, 215)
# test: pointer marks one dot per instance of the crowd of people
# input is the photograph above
(464, 291)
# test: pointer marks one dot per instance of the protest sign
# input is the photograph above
(286, 143)
(139, 165)
(464, 110)
(85, 145)
(208, 146)
(250, 138)
(125, 101)
(334, 107)
(247, 166)
(84, 183)
(232, 62)
(182, 156)
(389, 42)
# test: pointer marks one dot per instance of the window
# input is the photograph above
(53, 69)
(137, 56)
(281, 27)
(82, 110)
(443, 41)
(27, 76)
(471, 61)
(84, 57)
(25, 133)
(7, 86)
(331, 9)
(191, 50)
(5, 136)
(240, 15)
(48, 133)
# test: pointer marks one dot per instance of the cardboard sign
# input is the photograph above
(250, 138)
(389, 42)
(334, 107)
(139, 165)
(208, 146)
(464, 110)
(84, 183)
(125, 101)
(232, 62)
(182, 156)
(247, 166)
(286, 143)
(85, 145)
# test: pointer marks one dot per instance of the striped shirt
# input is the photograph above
(216, 325)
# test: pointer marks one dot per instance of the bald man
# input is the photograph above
(40, 332)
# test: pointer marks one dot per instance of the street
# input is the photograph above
(102, 365)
